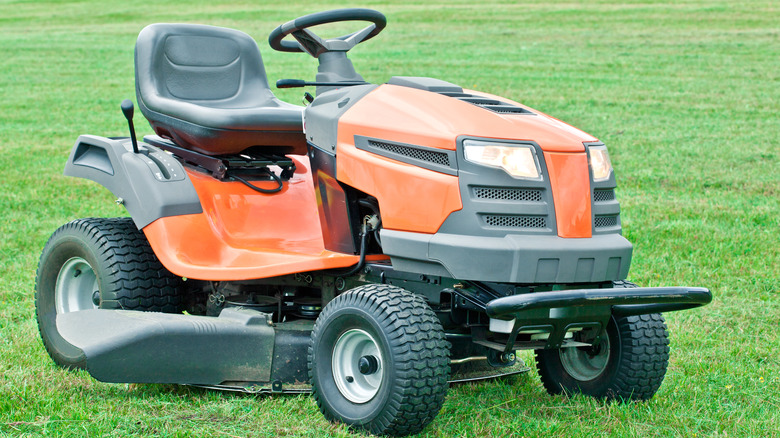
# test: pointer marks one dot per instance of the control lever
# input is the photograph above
(297, 83)
(127, 110)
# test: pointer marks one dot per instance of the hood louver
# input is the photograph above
(494, 105)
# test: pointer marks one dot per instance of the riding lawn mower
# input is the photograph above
(356, 247)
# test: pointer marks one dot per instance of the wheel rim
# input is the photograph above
(357, 366)
(77, 287)
(586, 363)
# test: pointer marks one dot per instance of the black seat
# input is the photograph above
(205, 88)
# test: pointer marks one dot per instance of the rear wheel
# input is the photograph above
(379, 361)
(98, 263)
(629, 363)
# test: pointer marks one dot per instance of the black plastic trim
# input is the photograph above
(336, 204)
(629, 301)
(369, 144)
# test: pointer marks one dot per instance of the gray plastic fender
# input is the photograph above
(150, 184)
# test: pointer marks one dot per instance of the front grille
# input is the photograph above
(606, 221)
(603, 195)
(494, 105)
(417, 154)
(506, 221)
(508, 194)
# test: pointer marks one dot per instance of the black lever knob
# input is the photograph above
(127, 110)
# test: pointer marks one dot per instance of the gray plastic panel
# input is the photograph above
(605, 206)
(479, 207)
(151, 184)
(147, 347)
(335, 67)
(427, 84)
(321, 118)
(514, 258)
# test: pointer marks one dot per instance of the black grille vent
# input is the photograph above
(508, 194)
(603, 195)
(494, 105)
(606, 221)
(417, 154)
(516, 221)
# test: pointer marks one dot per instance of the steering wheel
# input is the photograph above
(310, 43)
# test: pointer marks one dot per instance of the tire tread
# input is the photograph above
(646, 355)
(642, 363)
(421, 351)
(138, 281)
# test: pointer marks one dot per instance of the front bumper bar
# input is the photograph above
(550, 319)
(624, 301)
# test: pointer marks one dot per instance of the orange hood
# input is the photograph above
(425, 118)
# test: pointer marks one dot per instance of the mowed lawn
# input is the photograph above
(685, 95)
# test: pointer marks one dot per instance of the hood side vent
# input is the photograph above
(434, 157)
(439, 160)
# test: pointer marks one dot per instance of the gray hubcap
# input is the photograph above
(357, 366)
(585, 364)
(77, 287)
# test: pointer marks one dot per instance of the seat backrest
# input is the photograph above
(205, 88)
(206, 65)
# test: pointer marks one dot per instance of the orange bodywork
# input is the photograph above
(243, 234)
(570, 183)
(410, 198)
(414, 199)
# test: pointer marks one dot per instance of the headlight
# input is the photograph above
(516, 159)
(599, 163)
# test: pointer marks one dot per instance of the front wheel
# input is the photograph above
(379, 361)
(628, 364)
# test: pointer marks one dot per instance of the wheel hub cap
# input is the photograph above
(586, 363)
(76, 287)
(368, 365)
(357, 366)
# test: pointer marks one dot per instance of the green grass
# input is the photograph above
(685, 95)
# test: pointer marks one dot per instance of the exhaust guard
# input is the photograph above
(547, 317)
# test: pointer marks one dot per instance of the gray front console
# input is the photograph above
(151, 184)
(514, 258)
(322, 116)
